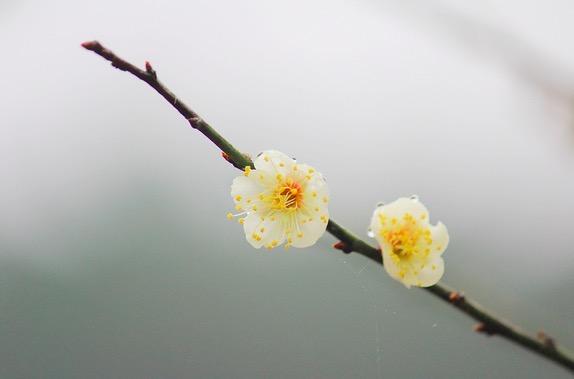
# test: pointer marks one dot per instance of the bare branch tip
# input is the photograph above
(92, 45)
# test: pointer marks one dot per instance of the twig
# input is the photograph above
(150, 77)
(488, 324)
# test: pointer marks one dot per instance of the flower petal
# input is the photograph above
(431, 273)
(245, 191)
(440, 238)
(263, 232)
(404, 205)
(310, 228)
(273, 162)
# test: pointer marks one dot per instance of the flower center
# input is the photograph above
(407, 238)
(287, 196)
(403, 241)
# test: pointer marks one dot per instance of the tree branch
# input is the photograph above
(349, 242)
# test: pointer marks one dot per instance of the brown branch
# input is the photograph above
(150, 77)
(349, 242)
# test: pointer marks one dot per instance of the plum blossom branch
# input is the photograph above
(488, 324)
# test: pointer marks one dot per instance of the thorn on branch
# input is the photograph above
(481, 327)
(149, 69)
(546, 340)
(343, 247)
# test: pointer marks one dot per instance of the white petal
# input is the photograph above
(263, 232)
(431, 273)
(273, 162)
(273, 233)
(316, 193)
(440, 238)
(310, 231)
(244, 189)
(250, 225)
(404, 205)
(390, 266)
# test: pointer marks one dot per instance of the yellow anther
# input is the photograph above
(238, 207)
(325, 199)
(316, 209)
(266, 158)
(300, 235)
(423, 216)
(310, 171)
(254, 208)
(241, 221)
(314, 194)
(394, 221)
(274, 243)
(262, 230)
(229, 216)
(281, 164)
(248, 201)
(238, 198)
(279, 177)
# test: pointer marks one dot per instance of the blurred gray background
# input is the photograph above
(117, 261)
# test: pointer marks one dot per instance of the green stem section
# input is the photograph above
(488, 323)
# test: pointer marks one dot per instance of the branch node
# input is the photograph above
(149, 69)
(546, 340)
(483, 328)
(194, 121)
(456, 297)
(343, 247)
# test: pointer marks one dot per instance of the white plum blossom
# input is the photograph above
(281, 201)
(410, 245)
